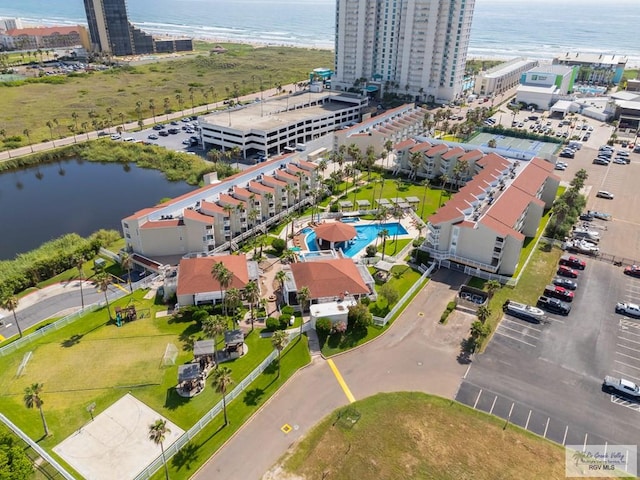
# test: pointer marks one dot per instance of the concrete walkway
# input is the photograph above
(415, 354)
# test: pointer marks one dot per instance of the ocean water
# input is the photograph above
(538, 29)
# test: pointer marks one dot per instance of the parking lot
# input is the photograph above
(171, 141)
(547, 377)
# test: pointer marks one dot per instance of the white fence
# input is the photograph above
(210, 415)
(39, 450)
(381, 322)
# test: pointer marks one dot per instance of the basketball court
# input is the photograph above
(525, 145)
(116, 443)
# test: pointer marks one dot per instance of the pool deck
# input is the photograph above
(407, 222)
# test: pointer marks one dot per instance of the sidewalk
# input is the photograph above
(48, 292)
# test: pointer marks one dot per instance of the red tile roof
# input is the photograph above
(261, 187)
(510, 205)
(307, 165)
(207, 207)
(437, 149)
(198, 217)
(245, 194)
(472, 155)
(45, 31)
(228, 199)
(335, 231)
(194, 274)
(420, 147)
(269, 180)
(454, 152)
(329, 278)
(286, 175)
(161, 224)
(410, 142)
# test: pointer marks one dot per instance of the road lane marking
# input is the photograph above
(341, 381)
(628, 348)
(2, 338)
(545, 428)
(526, 426)
(625, 355)
(626, 364)
(585, 442)
(628, 340)
(513, 338)
(626, 375)
(520, 332)
(493, 404)
(286, 428)
(477, 399)
(564, 439)
(120, 287)
(520, 324)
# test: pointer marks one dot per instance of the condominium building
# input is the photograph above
(502, 77)
(213, 218)
(485, 224)
(274, 126)
(414, 47)
(111, 32)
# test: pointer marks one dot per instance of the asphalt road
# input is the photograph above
(415, 354)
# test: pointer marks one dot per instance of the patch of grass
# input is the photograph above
(421, 439)
(393, 248)
(31, 105)
(530, 242)
(211, 438)
(92, 360)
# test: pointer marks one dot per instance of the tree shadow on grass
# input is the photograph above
(72, 340)
(348, 340)
(173, 400)
(272, 368)
(185, 457)
(252, 397)
(187, 335)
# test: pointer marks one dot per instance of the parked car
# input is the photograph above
(632, 270)
(605, 194)
(567, 272)
(553, 305)
(163, 133)
(115, 136)
(158, 127)
(621, 386)
(626, 308)
(153, 136)
(620, 161)
(560, 293)
(173, 131)
(573, 262)
(564, 283)
(600, 161)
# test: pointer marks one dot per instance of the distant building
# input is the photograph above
(542, 86)
(502, 77)
(275, 126)
(111, 32)
(45, 38)
(595, 68)
(412, 47)
(10, 24)
(485, 224)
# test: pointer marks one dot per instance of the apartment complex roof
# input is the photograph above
(44, 31)
(329, 278)
(194, 274)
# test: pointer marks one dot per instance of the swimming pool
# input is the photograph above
(590, 90)
(366, 235)
(349, 219)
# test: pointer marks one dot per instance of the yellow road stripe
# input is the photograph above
(120, 287)
(341, 381)
(1, 338)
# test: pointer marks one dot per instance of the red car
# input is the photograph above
(565, 271)
(573, 262)
(560, 293)
(633, 270)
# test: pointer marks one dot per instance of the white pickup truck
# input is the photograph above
(621, 386)
(631, 309)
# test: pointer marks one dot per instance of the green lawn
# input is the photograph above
(392, 248)
(31, 106)
(403, 277)
(412, 435)
(198, 451)
(92, 360)
(530, 242)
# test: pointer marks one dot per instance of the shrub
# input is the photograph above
(371, 251)
(365, 300)
(359, 316)
(323, 326)
(284, 321)
(287, 310)
(334, 207)
(272, 324)
(278, 245)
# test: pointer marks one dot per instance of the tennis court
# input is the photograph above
(524, 145)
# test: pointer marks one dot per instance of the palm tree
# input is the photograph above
(32, 399)
(50, 125)
(232, 298)
(180, 102)
(384, 234)
(483, 313)
(85, 127)
(75, 117)
(252, 294)
(425, 182)
(157, 433)
(279, 340)
(304, 295)
(213, 326)
(152, 107)
(79, 263)
(11, 303)
(388, 148)
(281, 277)
(167, 105)
(27, 133)
(221, 382)
(223, 276)
(126, 262)
(492, 287)
(104, 280)
(110, 114)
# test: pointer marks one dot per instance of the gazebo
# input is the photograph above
(190, 381)
(233, 344)
(334, 233)
(203, 351)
